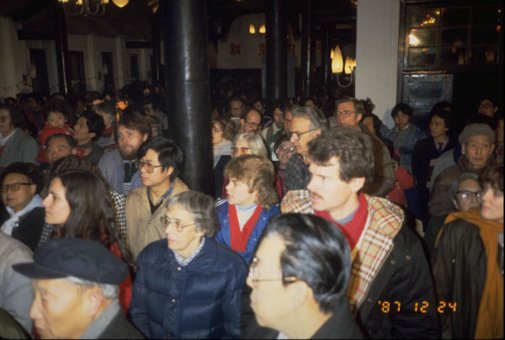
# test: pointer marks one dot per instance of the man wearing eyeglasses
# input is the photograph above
(298, 280)
(251, 121)
(160, 162)
(304, 127)
(349, 112)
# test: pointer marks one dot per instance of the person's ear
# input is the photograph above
(168, 171)
(300, 293)
(33, 189)
(93, 300)
(357, 183)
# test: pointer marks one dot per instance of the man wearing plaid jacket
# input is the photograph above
(391, 289)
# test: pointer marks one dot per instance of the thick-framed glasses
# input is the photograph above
(346, 113)
(176, 223)
(468, 195)
(13, 186)
(297, 134)
(149, 167)
(255, 279)
(243, 149)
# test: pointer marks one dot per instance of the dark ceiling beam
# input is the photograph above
(30, 35)
(28, 11)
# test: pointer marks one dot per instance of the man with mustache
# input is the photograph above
(390, 273)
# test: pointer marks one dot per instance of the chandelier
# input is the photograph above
(89, 7)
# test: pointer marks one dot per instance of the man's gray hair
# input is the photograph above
(316, 119)
(109, 291)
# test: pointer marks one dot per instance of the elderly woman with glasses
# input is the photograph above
(468, 266)
(467, 195)
(160, 162)
(187, 286)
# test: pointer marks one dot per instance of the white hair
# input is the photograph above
(109, 291)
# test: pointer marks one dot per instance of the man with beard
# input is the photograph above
(118, 166)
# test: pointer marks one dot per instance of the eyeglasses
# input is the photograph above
(149, 167)
(344, 113)
(252, 124)
(297, 134)
(286, 148)
(166, 221)
(13, 186)
(486, 105)
(253, 274)
(468, 195)
(243, 149)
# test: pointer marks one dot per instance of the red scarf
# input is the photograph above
(239, 238)
(352, 229)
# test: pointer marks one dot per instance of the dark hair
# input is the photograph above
(18, 120)
(29, 170)
(226, 126)
(493, 176)
(71, 141)
(153, 100)
(316, 253)
(135, 121)
(57, 104)
(445, 115)
(442, 105)
(352, 147)
(258, 173)
(375, 119)
(405, 108)
(201, 207)
(108, 108)
(359, 108)
(169, 154)
(95, 124)
(91, 208)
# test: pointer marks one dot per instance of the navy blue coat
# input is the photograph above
(200, 300)
(224, 236)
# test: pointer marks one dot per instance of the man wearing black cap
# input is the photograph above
(76, 285)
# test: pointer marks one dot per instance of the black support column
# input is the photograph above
(61, 43)
(307, 50)
(156, 46)
(277, 57)
(187, 79)
(325, 55)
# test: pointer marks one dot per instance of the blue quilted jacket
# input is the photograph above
(198, 301)
(223, 236)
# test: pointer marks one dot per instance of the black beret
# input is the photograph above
(84, 259)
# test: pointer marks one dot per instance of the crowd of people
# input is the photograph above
(322, 224)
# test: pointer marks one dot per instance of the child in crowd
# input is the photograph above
(56, 122)
(251, 202)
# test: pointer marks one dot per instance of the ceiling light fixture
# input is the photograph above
(89, 7)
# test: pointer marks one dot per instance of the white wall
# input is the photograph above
(377, 54)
